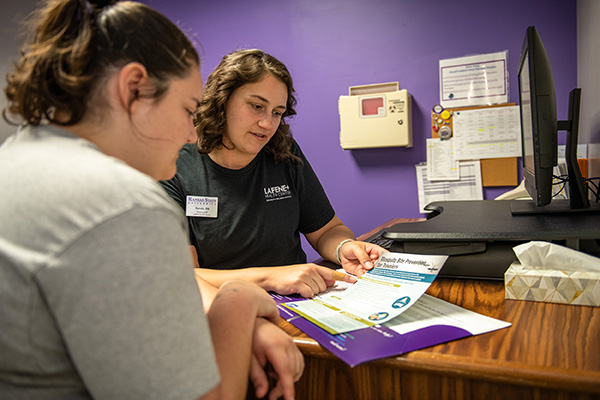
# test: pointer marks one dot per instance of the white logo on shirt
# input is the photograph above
(277, 193)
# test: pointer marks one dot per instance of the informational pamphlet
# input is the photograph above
(395, 283)
(429, 322)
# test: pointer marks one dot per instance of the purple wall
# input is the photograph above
(329, 45)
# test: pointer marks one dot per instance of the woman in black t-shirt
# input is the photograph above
(249, 192)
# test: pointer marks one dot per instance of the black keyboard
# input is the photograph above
(381, 241)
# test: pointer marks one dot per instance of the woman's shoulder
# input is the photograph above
(189, 155)
(81, 187)
(119, 187)
(297, 151)
(292, 147)
(189, 151)
(295, 147)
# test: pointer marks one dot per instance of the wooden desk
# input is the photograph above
(551, 351)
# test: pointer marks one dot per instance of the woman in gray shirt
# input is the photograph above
(97, 291)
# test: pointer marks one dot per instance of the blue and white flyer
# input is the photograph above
(396, 282)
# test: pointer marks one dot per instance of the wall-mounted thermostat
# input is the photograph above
(376, 115)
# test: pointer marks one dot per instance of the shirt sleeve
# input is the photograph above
(174, 190)
(315, 209)
(126, 302)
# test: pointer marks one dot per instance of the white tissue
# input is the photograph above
(552, 256)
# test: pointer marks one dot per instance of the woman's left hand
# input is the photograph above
(358, 257)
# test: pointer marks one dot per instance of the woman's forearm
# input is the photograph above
(326, 240)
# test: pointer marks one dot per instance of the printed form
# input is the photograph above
(441, 164)
(487, 133)
(396, 282)
(468, 187)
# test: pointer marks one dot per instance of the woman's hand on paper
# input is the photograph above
(358, 257)
(307, 280)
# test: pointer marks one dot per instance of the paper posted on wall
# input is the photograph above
(395, 283)
(468, 187)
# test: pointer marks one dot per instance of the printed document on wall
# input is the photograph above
(490, 132)
(474, 80)
(441, 163)
(468, 187)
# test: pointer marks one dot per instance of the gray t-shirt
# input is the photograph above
(97, 293)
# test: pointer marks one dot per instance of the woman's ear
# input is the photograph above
(132, 78)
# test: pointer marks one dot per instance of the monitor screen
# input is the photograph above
(539, 134)
(526, 123)
(538, 118)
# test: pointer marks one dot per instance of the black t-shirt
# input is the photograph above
(258, 212)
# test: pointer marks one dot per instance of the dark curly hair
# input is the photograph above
(235, 70)
(73, 46)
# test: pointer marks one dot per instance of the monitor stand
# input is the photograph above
(578, 192)
(525, 207)
(478, 235)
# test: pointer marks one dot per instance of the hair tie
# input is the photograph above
(99, 5)
(86, 10)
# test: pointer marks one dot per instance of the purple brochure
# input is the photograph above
(371, 343)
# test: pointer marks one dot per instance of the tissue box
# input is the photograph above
(552, 286)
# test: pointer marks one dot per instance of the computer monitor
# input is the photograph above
(539, 130)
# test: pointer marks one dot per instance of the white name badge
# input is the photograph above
(199, 206)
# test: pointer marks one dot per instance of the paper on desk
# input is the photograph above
(430, 311)
(538, 254)
(430, 321)
(396, 282)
